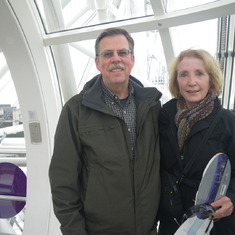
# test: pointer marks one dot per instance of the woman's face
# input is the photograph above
(193, 80)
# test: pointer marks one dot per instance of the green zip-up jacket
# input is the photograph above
(96, 188)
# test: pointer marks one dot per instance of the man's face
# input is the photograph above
(114, 61)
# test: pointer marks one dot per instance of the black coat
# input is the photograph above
(222, 139)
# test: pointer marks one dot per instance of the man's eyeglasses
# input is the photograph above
(110, 54)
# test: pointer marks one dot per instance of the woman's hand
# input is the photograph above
(225, 206)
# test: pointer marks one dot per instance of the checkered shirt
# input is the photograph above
(125, 109)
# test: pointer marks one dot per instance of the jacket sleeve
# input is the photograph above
(230, 122)
(64, 171)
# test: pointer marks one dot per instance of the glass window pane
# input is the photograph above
(60, 15)
(83, 62)
(198, 35)
(174, 5)
(149, 68)
(12, 142)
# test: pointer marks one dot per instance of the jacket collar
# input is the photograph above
(93, 97)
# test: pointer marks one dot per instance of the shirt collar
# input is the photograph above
(109, 94)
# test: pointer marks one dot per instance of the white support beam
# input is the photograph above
(157, 7)
(166, 39)
(54, 16)
(167, 45)
(187, 16)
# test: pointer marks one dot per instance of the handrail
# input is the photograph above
(19, 161)
(13, 198)
(12, 149)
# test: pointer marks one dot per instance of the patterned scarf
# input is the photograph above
(185, 118)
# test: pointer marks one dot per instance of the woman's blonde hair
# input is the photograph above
(211, 65)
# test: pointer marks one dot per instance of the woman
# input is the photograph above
(195, 82)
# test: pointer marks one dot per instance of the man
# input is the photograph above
(104, 172)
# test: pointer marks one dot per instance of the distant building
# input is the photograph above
(9, 116)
